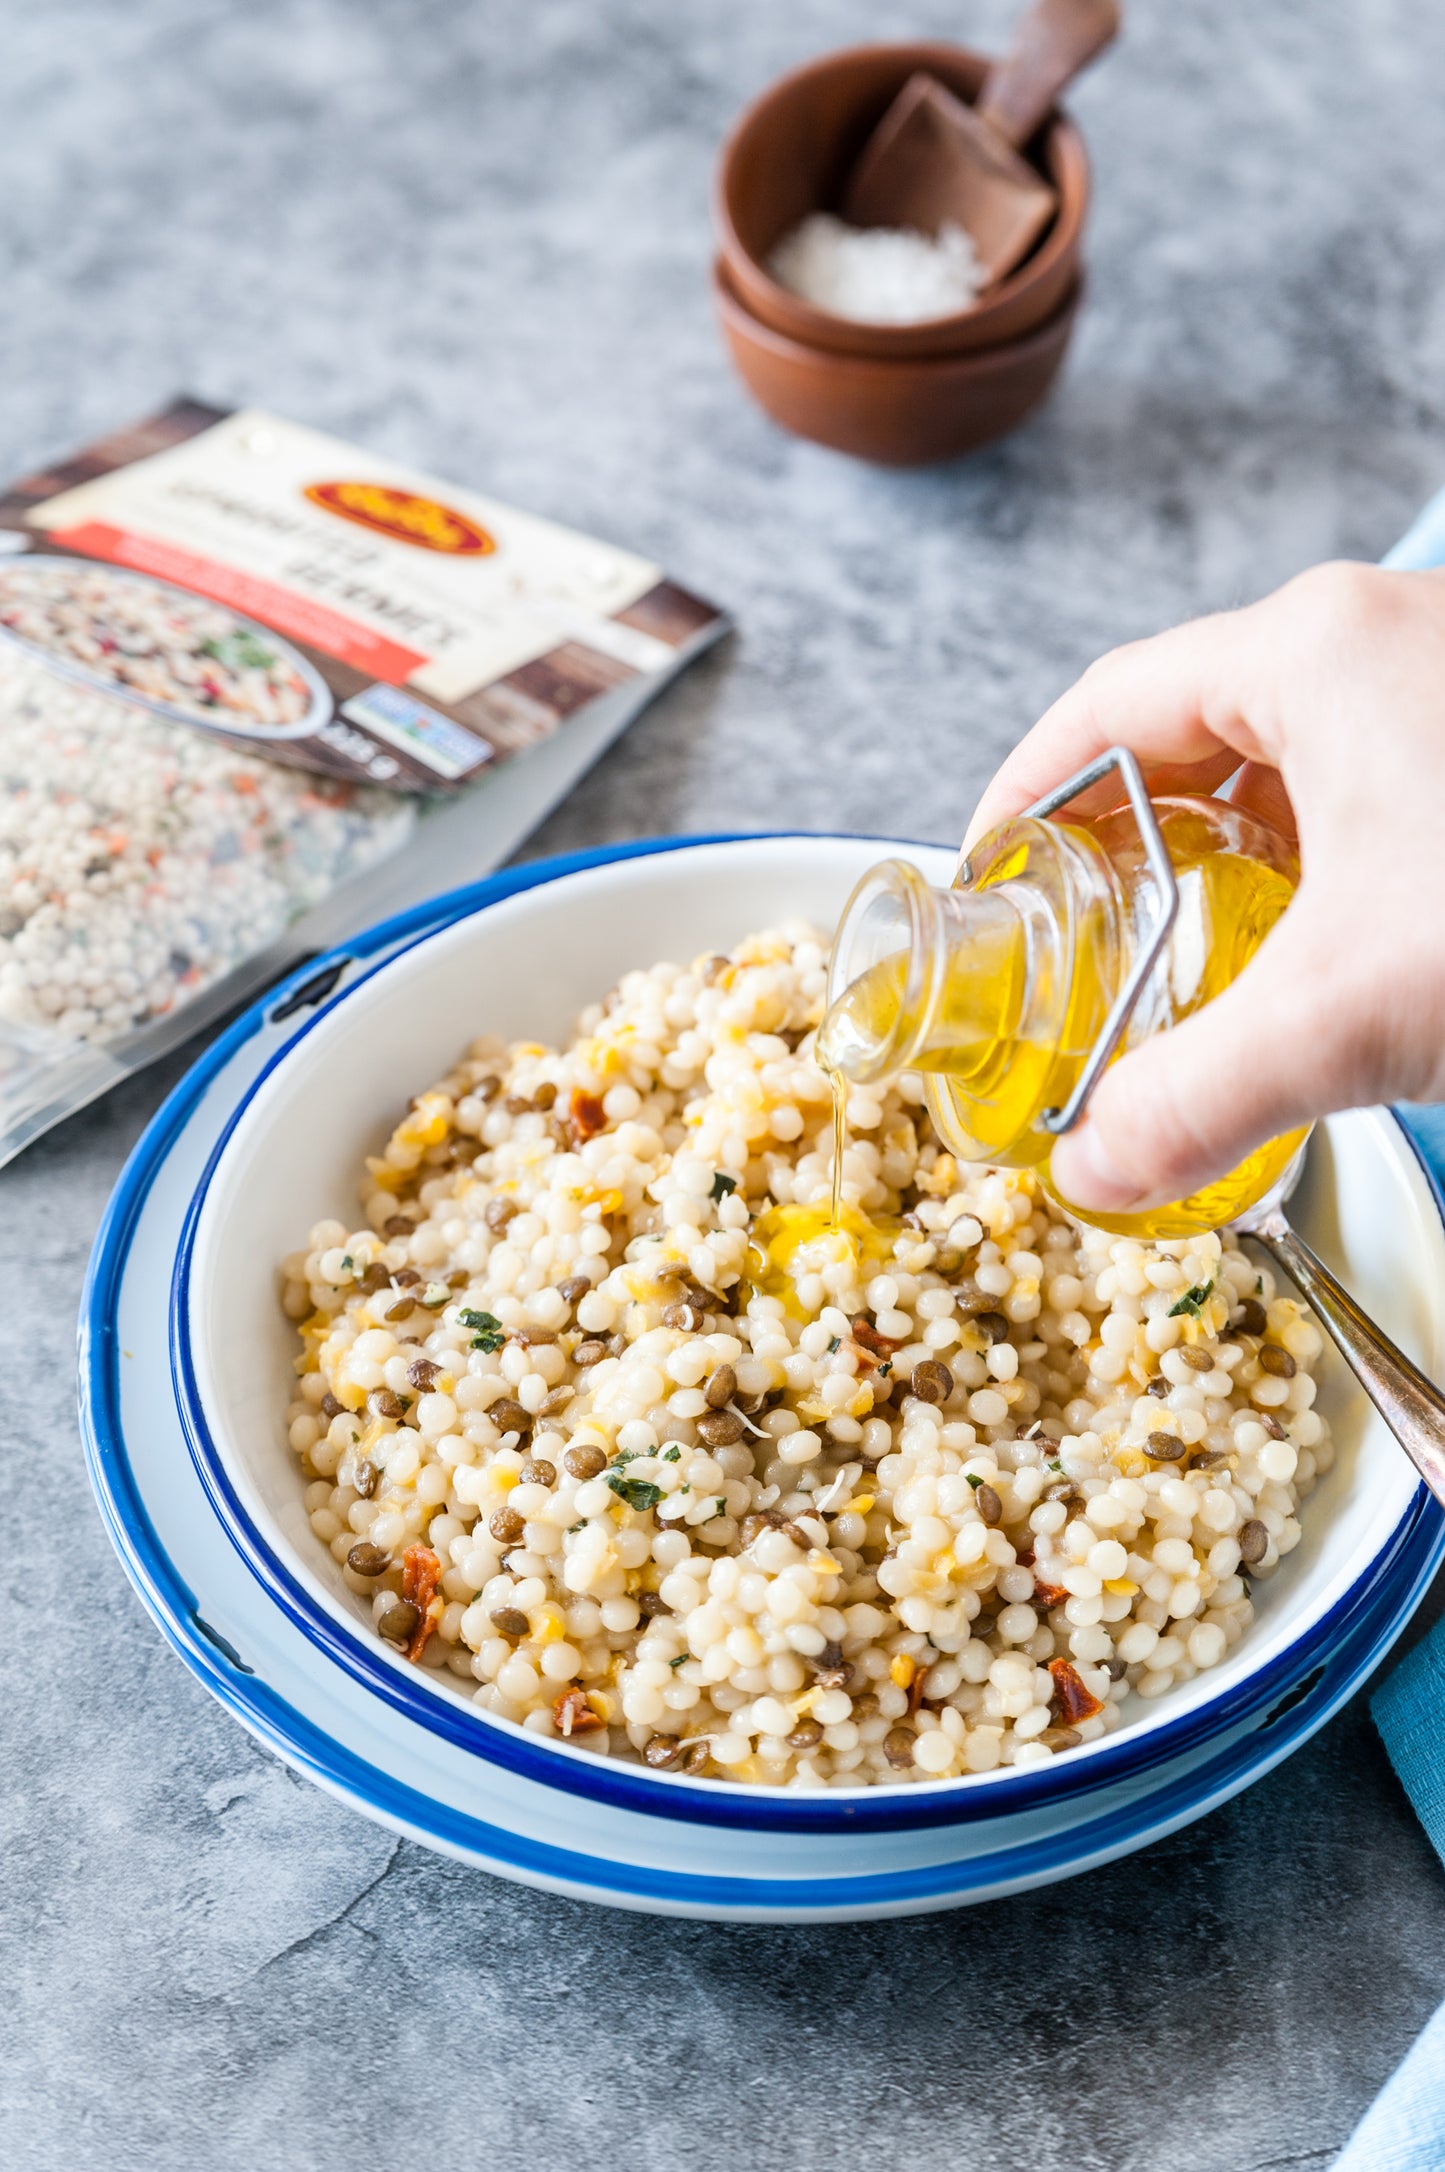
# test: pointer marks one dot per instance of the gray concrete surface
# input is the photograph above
(477, 237)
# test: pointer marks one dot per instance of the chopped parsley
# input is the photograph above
(636, 1492)
(1191, 1301)
(835, 1344)
(1054, 1465)
(680, 1661)
(488, 1331)
(239, 650)
(1259, 1285)
(348, 1263)
(885, 1368)
(672, 1454)
(722, 1185)
(718, 1507)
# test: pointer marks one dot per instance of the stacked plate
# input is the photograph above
(186, 1366)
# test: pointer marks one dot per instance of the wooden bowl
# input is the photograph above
(790, 152)
(903, 411)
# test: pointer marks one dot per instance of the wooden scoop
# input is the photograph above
(933, 159)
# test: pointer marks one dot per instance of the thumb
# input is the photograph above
(1275, 1049)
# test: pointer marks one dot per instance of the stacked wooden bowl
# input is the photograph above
(902, 394)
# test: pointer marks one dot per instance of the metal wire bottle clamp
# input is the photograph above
(1155, 936)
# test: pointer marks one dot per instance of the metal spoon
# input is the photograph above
(1411, 1406)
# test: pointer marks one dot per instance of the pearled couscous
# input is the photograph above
(600, 1418)
(140, 861)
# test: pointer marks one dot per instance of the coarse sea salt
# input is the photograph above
(877, 274)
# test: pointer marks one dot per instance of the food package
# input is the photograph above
(256, 689)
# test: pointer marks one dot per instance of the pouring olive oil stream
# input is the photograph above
(997, 990)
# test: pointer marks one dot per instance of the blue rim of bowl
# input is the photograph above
(1402, 1568)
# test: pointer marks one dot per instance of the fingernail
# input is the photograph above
(1086, 1174)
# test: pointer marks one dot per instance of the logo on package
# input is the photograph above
(403, 516)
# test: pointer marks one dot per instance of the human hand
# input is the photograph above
(1331, 692)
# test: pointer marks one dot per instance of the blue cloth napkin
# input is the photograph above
(1404, 2129)
(1423, 543)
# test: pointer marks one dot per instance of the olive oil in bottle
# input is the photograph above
(997, 989)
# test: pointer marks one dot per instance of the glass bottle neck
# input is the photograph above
(998, 988)
(913, 980)
(976, 986)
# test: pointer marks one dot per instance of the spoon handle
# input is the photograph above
(1053, 42)
(1410, 1405)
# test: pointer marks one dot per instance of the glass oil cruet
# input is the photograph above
(1059, 945)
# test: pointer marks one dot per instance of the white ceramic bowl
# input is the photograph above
(520, 955)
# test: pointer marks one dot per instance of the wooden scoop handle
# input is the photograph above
(1054, 41)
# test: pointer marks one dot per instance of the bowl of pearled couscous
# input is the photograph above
(518, 1364)
(841, 1521)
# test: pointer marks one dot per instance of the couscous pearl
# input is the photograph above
(1277, 1460)
(518, 1681)
(934, 1753)
(435, 1415)
(1136, 1643)
(1108, 1559)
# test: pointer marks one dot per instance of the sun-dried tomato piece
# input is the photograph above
(1024, 1556)
(574, 1715)
(421, 1572)
(1072, 1701)
(586, 1116)
(866, 1335)
(1048, 1596)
